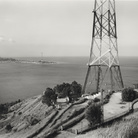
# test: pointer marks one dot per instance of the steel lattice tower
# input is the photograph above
(103, 66)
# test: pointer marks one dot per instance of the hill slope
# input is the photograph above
(31, 118)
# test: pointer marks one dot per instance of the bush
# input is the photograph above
(4, 108)
(34, 121)
(94, 114)
(96, 100)
(128, 94)
(106, 98)
(90, 102)
(19, 113)
(8, 127)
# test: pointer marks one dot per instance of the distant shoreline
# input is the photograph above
(9, 60)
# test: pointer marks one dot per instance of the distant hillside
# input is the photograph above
(7, 59)
(26, 61)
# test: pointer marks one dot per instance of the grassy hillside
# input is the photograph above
(127, 127)
(31, 118)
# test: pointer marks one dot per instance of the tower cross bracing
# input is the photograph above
(103, 65)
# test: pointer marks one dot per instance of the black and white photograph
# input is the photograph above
(68, 68)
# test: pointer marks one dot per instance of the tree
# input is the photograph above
(49, 97)
(62, 90)
(73, 90)
(94, 113)
(128, 94)
(76, 88)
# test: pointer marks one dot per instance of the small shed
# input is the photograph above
(62, 102)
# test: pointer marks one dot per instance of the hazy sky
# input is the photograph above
(60, 27)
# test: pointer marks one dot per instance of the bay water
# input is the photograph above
(23, 80)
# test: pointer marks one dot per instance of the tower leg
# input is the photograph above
(98, 78)
(121, 79)
(111, 78)
(86, 80)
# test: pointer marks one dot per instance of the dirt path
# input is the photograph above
(115, 106)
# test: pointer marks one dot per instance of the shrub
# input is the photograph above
(34, 121)
(94, 114)
(4, 108)
(128, 94)
(106, 98)
(8, 127)
(19, 113)
(96, 100)
(90, 102)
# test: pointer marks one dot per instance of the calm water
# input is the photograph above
(20, 80)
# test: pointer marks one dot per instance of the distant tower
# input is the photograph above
(103, 66)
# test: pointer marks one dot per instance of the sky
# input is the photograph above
(60, 27)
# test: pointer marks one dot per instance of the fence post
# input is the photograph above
(76, 132)
(61, 128)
